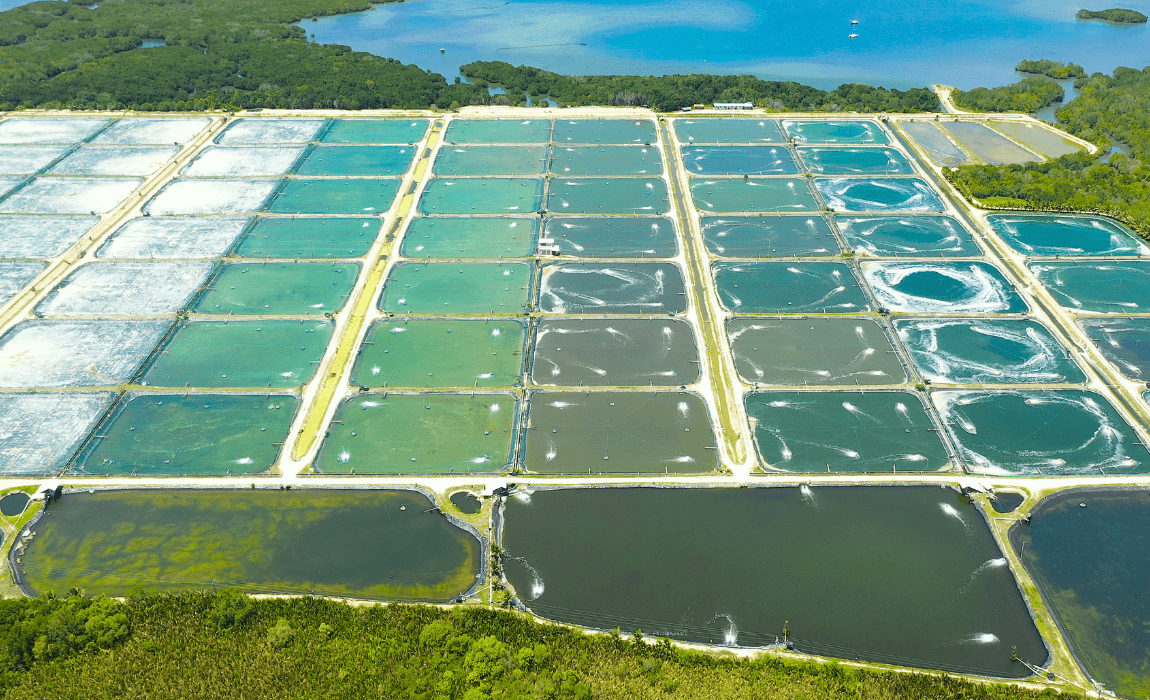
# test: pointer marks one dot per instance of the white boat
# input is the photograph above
(853, 36)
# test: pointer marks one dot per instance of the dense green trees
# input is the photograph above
(1027, 95)
(673, 92)
(176, 647)
(1116, 14)
(40, 630)
(1051, 69)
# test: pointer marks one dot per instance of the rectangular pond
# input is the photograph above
(333, 196)
(406, 131)
(1107, 288)
(612, 288)
(779, 194)
(1088, 552)
(243, 161)
(910, 576)
(236, 354)
(813, 351)
(174, 237)
(1062, 234)
(934, 141)
(126, 289)
(29, 160)
(615, 432)
(1038, 138)
(838, 131)
(352, 161)
(363, 543)
(470, 238)
(613, 236)
(768, 236)
(441, 353)
(498, 131)
(489, 161)
(38, 236)
(278, 289)
(788, 287)
(190, 434)
(1123, 341)
(43, 430)
(855, 161)
(482, 196)
(924, 235)
(987, 351)
(725, 130)
(604, 131)
(604, 161)
(739, 160)
(68, 195)
(629, 195)
(1040, 433)
(16, 275)
(271, 130)
(442, 433)
(133, 161)
(302, 238)
(457, 288)
(188, 196)
(839, 431)
(879, 195)
(77, 353)
(942, 288)
(615, 352)
(989, 145)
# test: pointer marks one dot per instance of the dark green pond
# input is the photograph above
(1007, 501)
(1124, 341)
(613, 236)
(789, 288)
(615, 352)
(14, 503)
(466, 502)
(604, 288)
(1089, 552)
(902, 575)
(768, 236)
(366, 543)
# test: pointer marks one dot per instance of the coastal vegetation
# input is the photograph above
(1116, 15)
(1051, 69)
(225, 645)
(1027, 95)
(1109, 110)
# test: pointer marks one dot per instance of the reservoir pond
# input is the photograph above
(899, 575)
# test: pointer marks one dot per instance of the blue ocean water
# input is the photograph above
(899, 43)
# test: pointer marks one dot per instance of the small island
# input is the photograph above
(1116, 15)
(1051, 69)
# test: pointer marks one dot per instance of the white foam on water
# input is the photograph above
(243, 161)
(980, 638)
(41, 431)
(344, 457)
(174, 237)
(115, 160)
(186, 196)
(245, 460)
(27, 160)
(49, 130)
(914, 195)
(70, 195)
(983, 293)
(126, 289)
(1043, 358)
(153, 130)
(271, 130)
(30, 236)
(60, 354)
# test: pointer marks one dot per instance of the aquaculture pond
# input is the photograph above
(441, 353)
(613, 236)
(791, 288)
(602, 161)
(899, 575)
(1059, 234)
(263, 353)
(1124, 341)
(942, 288)
(76, 353)
(855, 161)
(443, 433)
(768, 236)
(777, 194)
(332, 196)
(739, 160)
(364, 543)
(190, 434)
(1088, 550)
(14, 503)
(1112, 287)
(594, 195)
(1006, 501)
(839, 132)
(309, 238)
(604, 131)
(615, 352)
(1038, 138)
(284, 288)
(909, 236)
(938, 147)
(466, 502)
(375, 131)
(987, 351)
(470, 238)
(728, 131)
(498, 131)
(491, 160)
(356, 161)
(482, 196)
(457, 288)
(878, 194)
(606, 288)
(617, 432)
(989, 145)
(802, 351)
(42, 431)
(160, 237)
(858, 431)
(1040, 433)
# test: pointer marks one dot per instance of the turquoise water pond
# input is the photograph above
(613, 236)
(789, 288)
(768, 236)
(1060, 234)
(739, 160)
(1110, 287)
(907, 236)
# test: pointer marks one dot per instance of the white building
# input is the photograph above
(734, 105)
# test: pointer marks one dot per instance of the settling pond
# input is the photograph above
(902, 575)
(363, 543)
